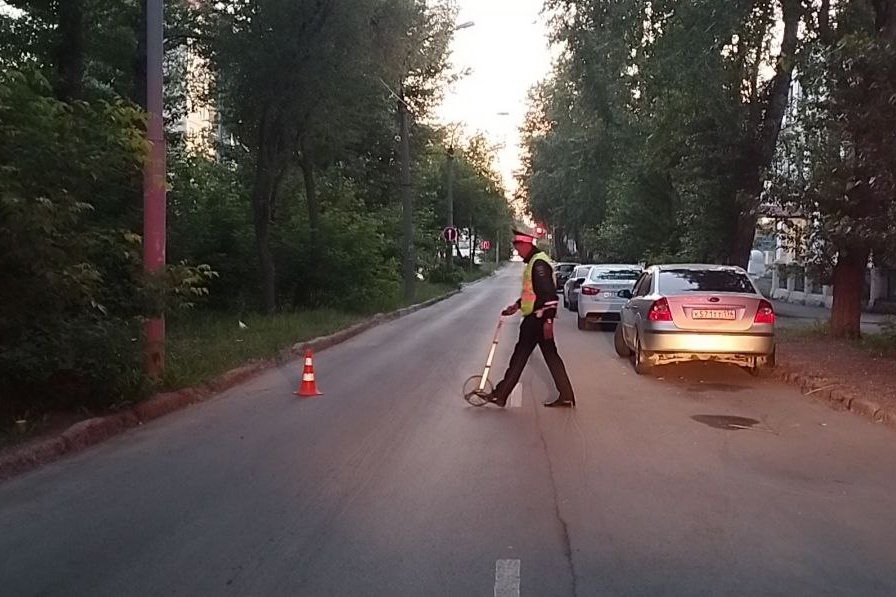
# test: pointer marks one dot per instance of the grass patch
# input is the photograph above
(880, 344)
(204, 345)
(481, 271)
(883, 344)
(816, 329)
(208, 344)
(426, 291)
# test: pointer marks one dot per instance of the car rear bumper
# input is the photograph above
(600, 310)
(708, 343)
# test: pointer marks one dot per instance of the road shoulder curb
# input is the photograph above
(18, 460)
(836, 395)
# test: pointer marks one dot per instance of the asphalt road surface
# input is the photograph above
(699, 480)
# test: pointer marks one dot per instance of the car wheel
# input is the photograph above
(642, 365)
(619, 344)
(582, 322)
(764, 368)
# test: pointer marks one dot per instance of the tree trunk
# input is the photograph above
(885, 18)
(849, 283)
(311, 195)
(559, 243)
(314, 279)
(262, 197)
(261, 207)
(824, 22)
(70, 50)
(763, 152)
(744, 234)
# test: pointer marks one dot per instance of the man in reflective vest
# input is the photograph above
(538, 304)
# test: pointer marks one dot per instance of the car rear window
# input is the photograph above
(565, 268)
(676, 281)
(615, 274)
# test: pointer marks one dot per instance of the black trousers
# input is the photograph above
(532, 334)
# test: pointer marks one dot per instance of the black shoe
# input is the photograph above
(496, 400)
(561, 402)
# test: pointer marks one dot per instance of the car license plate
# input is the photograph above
(713, 314)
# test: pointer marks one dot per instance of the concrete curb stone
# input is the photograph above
(81, 435)
(837, 397)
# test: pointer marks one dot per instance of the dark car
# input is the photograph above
(562, 271)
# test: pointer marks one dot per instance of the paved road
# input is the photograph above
(390, 484)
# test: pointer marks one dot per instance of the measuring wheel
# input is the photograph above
(476, 392)
(478, 388)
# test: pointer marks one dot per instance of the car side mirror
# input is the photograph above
(578, 282)
(626, 294)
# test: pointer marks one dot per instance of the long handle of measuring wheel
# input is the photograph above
(491, 355)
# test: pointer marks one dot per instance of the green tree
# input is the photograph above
(838, 165)
(665, 95)
(288, 72)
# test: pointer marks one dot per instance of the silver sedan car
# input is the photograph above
(601, 295)
(697, 312)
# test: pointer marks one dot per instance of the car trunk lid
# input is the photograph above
(707, 311)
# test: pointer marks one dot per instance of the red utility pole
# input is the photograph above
(154, 181)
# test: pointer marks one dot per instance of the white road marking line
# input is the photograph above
(516, 397)
(507, 578)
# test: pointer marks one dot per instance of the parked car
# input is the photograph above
(571, 287)
(697, 312)
(602, 294)
(562, 271)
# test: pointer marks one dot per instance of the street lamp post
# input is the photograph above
(449, 250)
(154, 182)
(409, 269)
(450, 192)
(407, 206)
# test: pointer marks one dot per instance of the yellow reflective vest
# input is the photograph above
(527, 300)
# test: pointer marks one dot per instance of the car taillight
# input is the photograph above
(765, 313)
(660, 311)
(590, 291)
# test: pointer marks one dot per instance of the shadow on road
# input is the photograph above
(700, 377)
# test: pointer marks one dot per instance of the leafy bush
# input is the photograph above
(72, 288)
(888, 329)
(452, 276)
(210, 222)
(350, 269)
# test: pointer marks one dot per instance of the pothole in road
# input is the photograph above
(726, 422)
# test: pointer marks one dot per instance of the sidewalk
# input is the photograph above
(792, 314)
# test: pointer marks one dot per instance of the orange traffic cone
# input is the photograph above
(309, 386)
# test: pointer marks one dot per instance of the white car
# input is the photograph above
(603, 293)
(571, 288)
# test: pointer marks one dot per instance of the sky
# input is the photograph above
(507, 51)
